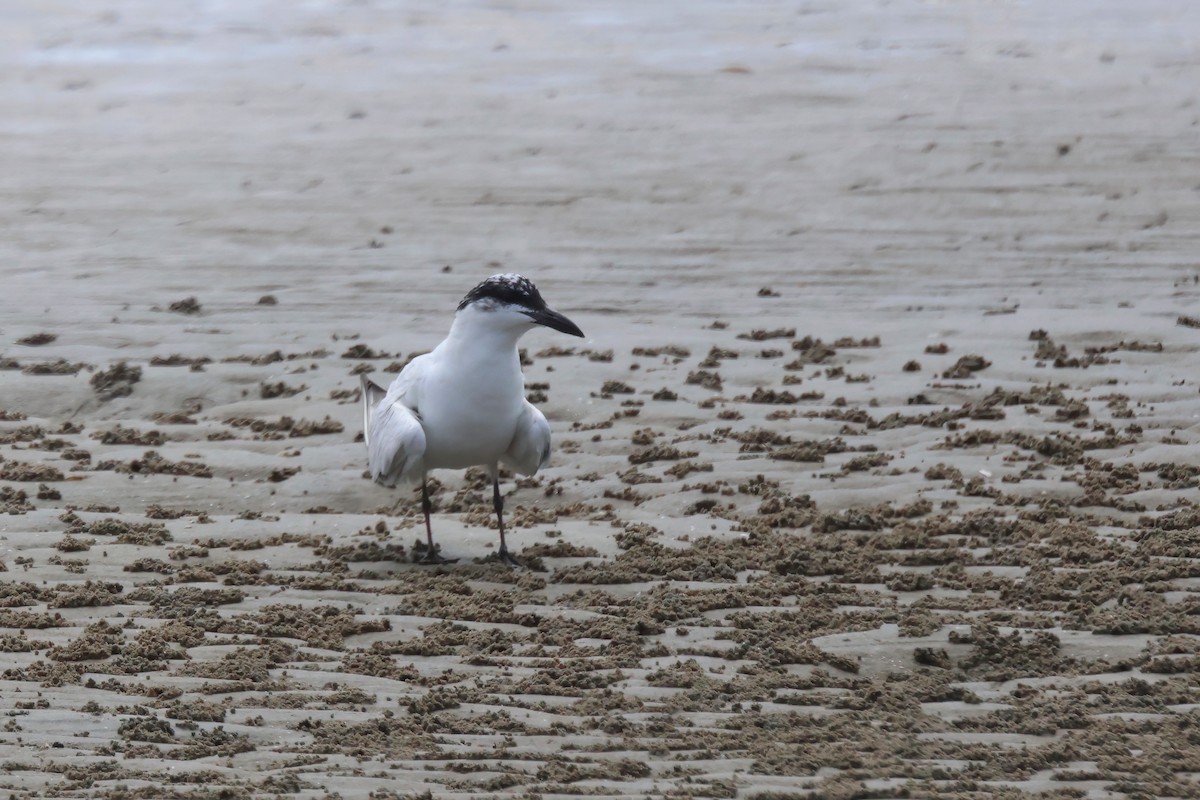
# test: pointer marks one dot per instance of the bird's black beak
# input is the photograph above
(555, 320)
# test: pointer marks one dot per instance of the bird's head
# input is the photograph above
(513, 301)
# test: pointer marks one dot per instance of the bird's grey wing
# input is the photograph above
(372, 395)
(396, 444)
(530, 448)
(394, 435)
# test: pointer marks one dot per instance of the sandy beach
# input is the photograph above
(875, 476)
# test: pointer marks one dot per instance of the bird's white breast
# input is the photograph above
(470, 412)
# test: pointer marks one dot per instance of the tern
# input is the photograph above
(463, 404)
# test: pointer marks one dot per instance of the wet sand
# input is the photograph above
(875, 476)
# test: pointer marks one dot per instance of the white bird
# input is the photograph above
(463, 405)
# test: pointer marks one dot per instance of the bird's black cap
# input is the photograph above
(510, 289)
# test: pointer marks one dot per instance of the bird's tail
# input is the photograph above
(372, 393)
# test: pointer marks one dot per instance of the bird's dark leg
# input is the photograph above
(498, 504)
(431, 553)
(427, 508)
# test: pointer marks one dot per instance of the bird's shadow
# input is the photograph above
(422, 555)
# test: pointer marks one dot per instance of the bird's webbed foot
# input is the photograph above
(505, 557)
(422, 553)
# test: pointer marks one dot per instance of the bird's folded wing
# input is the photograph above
(395, 444)
(530, 448)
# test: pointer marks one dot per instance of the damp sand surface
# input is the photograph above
(875, 476)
